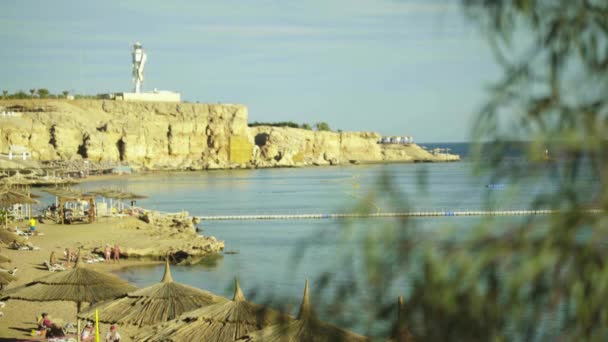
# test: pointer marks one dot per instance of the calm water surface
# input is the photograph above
(266, 250)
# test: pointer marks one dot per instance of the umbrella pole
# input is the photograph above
(78, 305)
(96, 326)
(78, 331)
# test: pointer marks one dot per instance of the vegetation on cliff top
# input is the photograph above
(319, 126)
(44, 93)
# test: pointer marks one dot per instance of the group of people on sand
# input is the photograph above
(112, 253)
(47, 329)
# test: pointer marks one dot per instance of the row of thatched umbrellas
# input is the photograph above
(177, 312)
(10, 196)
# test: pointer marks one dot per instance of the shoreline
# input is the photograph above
(112, 176)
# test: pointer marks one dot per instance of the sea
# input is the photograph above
(273, 258)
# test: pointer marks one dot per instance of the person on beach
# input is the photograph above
(48, 328)
(44, 321)
(107, 252)
(91, 214)
(33, 226)
(88, 333)
(113, 335)
(116, 253)
(68, 255)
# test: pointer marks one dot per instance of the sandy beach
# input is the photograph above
(20, 316)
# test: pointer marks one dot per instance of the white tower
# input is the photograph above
(139, 61)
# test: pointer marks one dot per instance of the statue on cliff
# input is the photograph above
(139, 61)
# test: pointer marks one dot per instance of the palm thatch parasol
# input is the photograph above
(9, 197)
(400, 332)
(6, 277)
(306, 328)
(154, 304)
(4, 258)
(218, 322)
(7, 237)
(79, 284)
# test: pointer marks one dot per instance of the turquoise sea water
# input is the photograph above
(265, 259)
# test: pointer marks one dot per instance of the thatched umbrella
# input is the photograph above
(306, 328)
(154, 304)
(4, 258)
(6, 277)
(7, 237)
(79, 285)
(218, 322)
(9, 197)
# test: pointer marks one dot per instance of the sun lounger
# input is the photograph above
(21, 247)
(28, 248)
(54, 267)
(21, 232)
(91, 259)
(11, 272)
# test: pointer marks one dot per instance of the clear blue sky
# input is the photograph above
(397, 67)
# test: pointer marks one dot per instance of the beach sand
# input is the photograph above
(20, 316)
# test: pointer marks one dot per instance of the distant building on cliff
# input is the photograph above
(397, 140)
(139, 58)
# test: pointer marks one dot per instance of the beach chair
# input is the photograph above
(29, 248)
(54, 267)
(21, 232)
(21, 247)
(11, 272)
(70, 328)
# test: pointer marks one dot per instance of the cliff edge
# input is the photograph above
(157, 136)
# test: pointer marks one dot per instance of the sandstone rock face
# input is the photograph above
(285, 146)
(174, 136)
(146, 135)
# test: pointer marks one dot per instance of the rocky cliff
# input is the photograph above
(180, 136)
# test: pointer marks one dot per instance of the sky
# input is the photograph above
(396, 67)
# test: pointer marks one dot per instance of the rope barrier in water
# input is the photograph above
(387, 214)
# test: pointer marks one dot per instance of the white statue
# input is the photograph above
(139, 61)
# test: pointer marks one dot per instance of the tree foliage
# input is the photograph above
(43, 93)
(322, 126)
(492, 284)
(280, 124)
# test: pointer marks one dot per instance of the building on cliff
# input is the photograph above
(139, 58)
